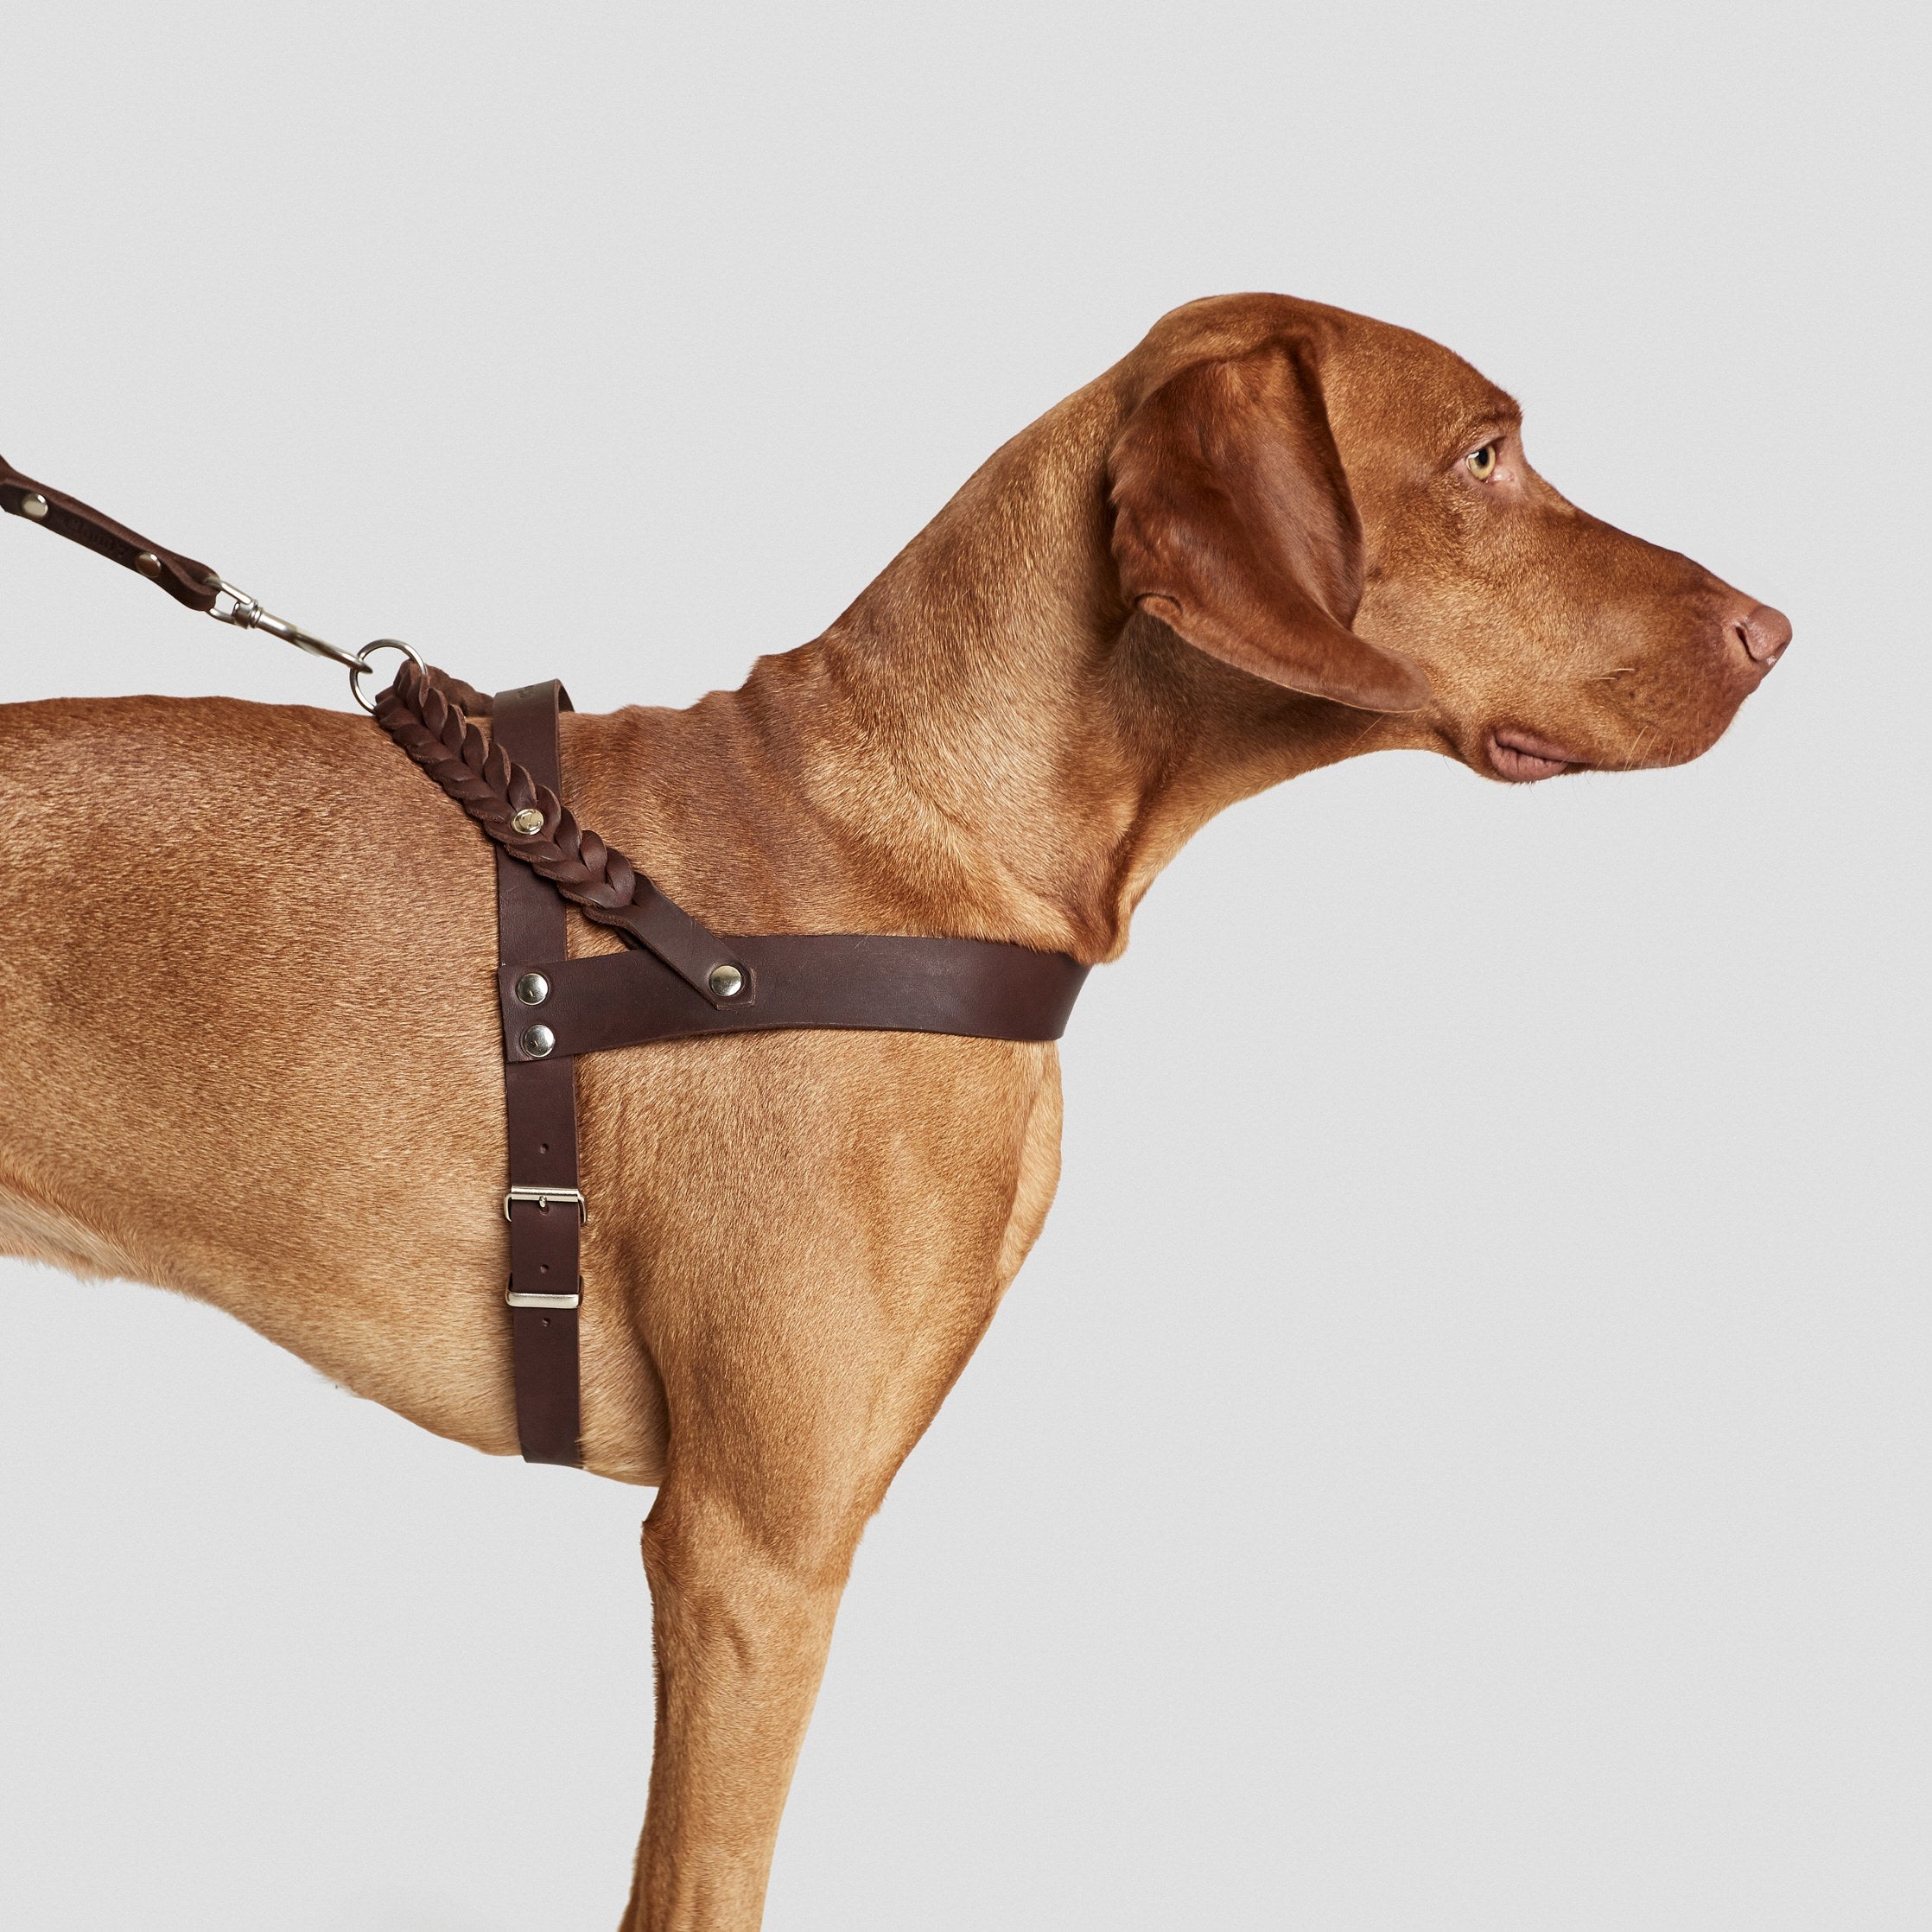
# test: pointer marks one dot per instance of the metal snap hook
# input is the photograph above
(245, 613)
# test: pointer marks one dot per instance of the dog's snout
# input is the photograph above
(1763, 632)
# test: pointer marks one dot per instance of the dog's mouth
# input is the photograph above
(1521, 757)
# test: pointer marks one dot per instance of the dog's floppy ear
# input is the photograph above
(1234, 525)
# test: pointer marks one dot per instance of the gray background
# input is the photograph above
(1458, 1457)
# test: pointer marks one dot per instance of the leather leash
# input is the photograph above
(677, 979)
(181, 577)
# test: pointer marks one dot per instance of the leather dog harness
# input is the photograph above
(676, 979)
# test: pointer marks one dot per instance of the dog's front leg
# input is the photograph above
(802, 1350)
(787, 1424)
(747, 1551)
(741, 1622)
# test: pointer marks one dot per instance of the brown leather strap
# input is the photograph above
(539, 1097)
(423, 710)
(181, 577)
(862, 982)
(903, 984)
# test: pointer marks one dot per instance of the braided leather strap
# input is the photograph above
(472, 702)
(422, 712)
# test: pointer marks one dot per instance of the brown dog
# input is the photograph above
(248, 1029)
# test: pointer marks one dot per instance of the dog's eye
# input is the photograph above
(1481, 465)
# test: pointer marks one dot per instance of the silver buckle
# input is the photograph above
(519, 1300)
(544, 1197)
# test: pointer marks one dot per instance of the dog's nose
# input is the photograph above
(1763, 632)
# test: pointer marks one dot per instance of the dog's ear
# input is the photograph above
(1234, 525)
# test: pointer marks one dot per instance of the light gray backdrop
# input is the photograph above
(1458, 1457)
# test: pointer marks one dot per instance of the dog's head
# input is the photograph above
(1344, 509)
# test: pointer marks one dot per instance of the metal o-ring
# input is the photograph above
(362, 665)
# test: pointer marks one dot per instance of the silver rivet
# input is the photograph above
(726, 981)
(33, 504)
(528, 820)
(148, 564)
(539, 1042)
(532, 989)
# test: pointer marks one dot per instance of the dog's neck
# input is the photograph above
(987, 739)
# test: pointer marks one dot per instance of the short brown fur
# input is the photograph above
(1254, 547)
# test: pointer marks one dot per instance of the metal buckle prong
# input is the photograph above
(544, 1197)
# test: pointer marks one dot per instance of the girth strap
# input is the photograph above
(544, 1203)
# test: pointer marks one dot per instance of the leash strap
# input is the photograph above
(184, 579)
(545, 1203)
(181, 577)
